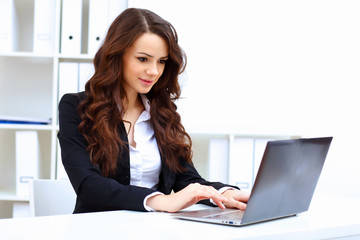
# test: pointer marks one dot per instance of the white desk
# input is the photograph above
(328, 217)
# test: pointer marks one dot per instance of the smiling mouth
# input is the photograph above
(146, 82)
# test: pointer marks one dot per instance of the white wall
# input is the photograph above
(274, 66)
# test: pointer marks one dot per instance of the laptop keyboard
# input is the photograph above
(234, 216)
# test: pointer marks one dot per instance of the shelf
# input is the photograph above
(25, 126)
(240, 132)
(25, 54)
(75, 57)
(62, 57)
(41, 55)
(13, 197)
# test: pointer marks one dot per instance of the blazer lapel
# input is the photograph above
(123, 164)
(166, 179)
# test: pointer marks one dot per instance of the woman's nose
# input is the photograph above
(152, 70)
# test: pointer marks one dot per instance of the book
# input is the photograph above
(241, 163)
(44, 26)
(71, 22)
(218, 155)
(23, 120)
(8, 38)
(68, 78)
(27, 160)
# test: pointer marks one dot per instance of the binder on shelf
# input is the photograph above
(27, 160)
(98, 24)
(218, 159)
(44, 26)
(259, 148)
(68, 78)
(86, 71)
(241, 163)
(20, 210)
(101, 15)
(8, 39)
(71, 27)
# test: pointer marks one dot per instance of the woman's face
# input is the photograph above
(143, 63)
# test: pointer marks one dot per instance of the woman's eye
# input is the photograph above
(142, 59)
(162, 61)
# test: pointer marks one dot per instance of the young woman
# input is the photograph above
(122, 142)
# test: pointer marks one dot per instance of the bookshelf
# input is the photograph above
(29, 81)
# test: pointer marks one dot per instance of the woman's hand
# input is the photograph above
(236, 198)
(188, 196)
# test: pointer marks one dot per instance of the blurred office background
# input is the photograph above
(274, 67)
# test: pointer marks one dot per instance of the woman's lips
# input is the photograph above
(146, 82)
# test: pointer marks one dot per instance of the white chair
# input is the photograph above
(51, 197)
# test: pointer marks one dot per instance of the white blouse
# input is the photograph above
(145, 160)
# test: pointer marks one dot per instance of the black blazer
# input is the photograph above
(98, 193)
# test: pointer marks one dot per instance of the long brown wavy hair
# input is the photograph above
(105, 95)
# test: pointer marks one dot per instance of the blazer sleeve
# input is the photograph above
(94, 191)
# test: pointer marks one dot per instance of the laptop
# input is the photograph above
(284, 185)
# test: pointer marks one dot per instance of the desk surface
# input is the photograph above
(328, 217)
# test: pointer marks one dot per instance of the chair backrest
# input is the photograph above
(51, 197)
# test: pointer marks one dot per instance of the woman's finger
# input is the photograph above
(237, 199)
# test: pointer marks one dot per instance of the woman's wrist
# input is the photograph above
(146, 206)
(157, 202)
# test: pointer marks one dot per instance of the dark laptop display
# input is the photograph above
(284, 186)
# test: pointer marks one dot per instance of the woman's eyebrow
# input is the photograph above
(151, 55)
(146, 54)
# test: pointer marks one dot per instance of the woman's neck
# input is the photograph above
(134, 102)
(133, 110)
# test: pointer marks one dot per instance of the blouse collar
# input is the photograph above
(145, 115)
